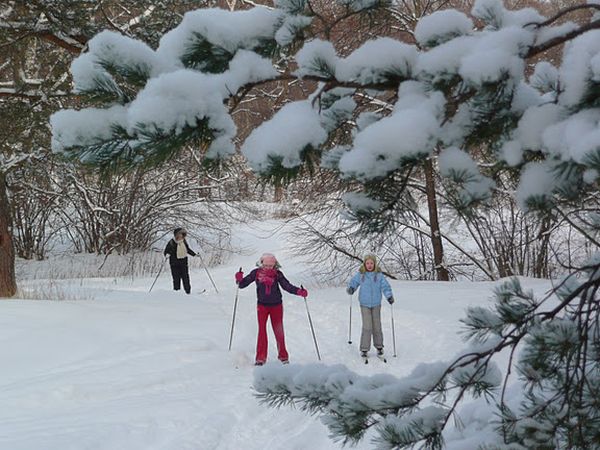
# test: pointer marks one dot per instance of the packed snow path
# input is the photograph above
(132, 370)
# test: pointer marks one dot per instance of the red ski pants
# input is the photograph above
(262, 344)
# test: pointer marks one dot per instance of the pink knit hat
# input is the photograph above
(269, 259)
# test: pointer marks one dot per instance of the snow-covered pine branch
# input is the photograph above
(179, 89)
(351, 404)
(466, 87)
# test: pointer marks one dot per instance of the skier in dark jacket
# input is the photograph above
(268, 278)
(178, 249)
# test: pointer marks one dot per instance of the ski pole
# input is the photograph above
(237, 292)
(159, 272)
(207, 272)
(393, 330)
(350, 323)
(312, 329)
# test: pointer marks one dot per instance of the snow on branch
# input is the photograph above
(350, 404)
(31, 94)
(294, 129)
(442, 26)
(73, 44)
(182, 86)
(208, 38)
(378, 60)
(113, 51)
(466, 86)
(399, 139)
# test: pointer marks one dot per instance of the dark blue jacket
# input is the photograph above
(272, 298)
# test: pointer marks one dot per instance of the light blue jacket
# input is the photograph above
(372, 284)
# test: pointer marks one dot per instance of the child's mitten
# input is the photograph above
(239, 276)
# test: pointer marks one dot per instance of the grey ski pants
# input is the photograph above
(371, 325)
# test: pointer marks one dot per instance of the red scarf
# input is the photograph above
(267, 277)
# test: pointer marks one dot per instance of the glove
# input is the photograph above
(390, 300)
(350, 290)
(302, 292)
(239, 276)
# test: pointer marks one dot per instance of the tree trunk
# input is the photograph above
(541, 269)
(278, 192)
(434, 225)
(8, 284)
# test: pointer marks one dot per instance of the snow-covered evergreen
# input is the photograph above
(466, 84)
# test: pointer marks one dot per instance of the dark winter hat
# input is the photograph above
(176, 231)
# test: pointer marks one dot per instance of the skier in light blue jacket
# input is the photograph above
(372, 284)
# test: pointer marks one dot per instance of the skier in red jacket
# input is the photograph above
(268, 279)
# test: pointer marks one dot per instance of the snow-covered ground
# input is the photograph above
(132, 370)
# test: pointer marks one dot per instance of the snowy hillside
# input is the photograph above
(132, 370)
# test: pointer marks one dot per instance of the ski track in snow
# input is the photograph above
(132, 370)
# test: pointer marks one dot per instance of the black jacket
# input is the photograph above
(171, 250)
